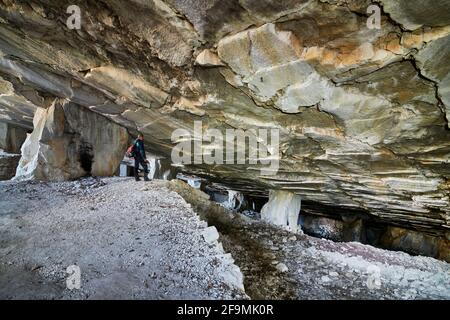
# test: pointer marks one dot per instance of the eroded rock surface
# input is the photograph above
(363, 113)
(8, 164)
(11, 137)
(282, 209)
(68, 142)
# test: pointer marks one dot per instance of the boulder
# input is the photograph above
(69, 142)
(210, 235)
(322, 227)
(281, 267)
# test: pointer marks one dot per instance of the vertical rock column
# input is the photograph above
(282, 209)
(68, 142)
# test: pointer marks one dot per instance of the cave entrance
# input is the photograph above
(86, 157)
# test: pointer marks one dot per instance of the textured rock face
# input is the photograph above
(11, 137)
(282, 209)
(68, 142)
(363, 113)
(416, 243)
(8, 165)
(323, 227)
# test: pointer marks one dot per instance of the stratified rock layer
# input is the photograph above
(363, 113)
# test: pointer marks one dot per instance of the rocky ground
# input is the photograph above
(302, 267)
(130, 240)
(278, 264)
(142, 240)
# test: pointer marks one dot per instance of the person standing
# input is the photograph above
(140, 158)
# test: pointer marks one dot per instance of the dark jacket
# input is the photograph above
(139, 149)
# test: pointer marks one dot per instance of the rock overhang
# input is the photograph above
(361, 113)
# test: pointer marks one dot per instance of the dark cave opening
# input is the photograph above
(86, 157)
(341, 224)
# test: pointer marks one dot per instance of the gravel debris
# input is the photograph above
(130, 240)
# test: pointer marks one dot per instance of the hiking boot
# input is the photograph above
(137, 179)
(146, 178)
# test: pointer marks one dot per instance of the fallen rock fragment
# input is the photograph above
(210, 235)
(281, 267)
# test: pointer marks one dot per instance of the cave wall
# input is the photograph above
(11, 137)
(8, 165)
(348, 228)
(68, 142)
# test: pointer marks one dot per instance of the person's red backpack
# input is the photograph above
(130, 151)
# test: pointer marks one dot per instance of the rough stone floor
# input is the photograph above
(302, 267)
(131, 241)
(142, 241)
